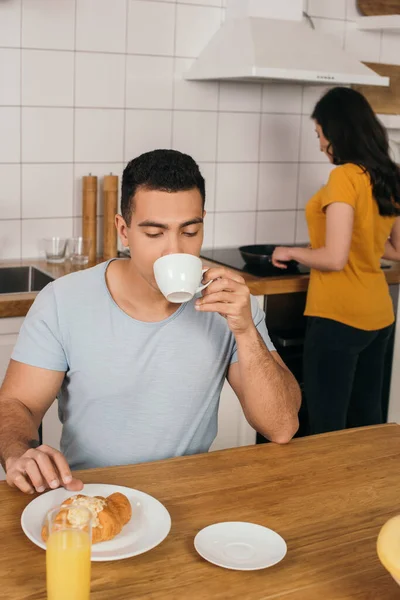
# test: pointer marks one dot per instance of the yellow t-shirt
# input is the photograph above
(358, 295)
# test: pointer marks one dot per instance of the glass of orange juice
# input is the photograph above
(68, 553)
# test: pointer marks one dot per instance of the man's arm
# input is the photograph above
(25, 396)
(268, 392)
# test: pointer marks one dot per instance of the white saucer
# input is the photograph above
(240, 546)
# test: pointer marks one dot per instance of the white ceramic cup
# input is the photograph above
(179, 276)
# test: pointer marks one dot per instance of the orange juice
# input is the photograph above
(68, 565)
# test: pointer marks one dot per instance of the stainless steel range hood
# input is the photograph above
(267, 40)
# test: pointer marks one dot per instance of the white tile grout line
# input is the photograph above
(260, 132)
(147, 109)
(74, 116)
(208, 162)
(298, 166)
(173, 76)
(125, 160)
(216, 150)
(20, 140)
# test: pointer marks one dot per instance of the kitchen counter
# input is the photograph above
(17, 305)
(327, 495)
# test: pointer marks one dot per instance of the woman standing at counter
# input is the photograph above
(352, 223)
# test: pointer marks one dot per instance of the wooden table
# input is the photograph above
(327, 496)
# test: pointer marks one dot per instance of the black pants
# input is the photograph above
(343, 375)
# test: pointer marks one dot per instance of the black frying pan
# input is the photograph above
(258, 255)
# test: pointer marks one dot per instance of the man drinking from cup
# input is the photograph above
(138, 374)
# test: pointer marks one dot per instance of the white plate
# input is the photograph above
(148, 527)
(240, 546)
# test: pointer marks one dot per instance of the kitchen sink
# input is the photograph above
(17, 280)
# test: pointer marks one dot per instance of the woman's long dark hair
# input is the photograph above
(355, 135)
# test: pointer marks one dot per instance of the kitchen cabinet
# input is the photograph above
(9, 329)
(233, 428)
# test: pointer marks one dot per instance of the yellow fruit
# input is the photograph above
(388, 546)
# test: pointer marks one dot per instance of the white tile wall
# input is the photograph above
(196, 134)
(10, 76)
(10, 191)
(100, 80)
(94, 83)
(282, 98)
(48, 24)
(239, 97)
(278, 183)
(234, 229)
(193, 95)
(100, 25)
(146, 130)
(47, 134)
(99, 135)
(208, 241)
(276, 227)
(47, 78)
(151, 28)
(149, 82)
(47, 191)
(280, 137)
(10, 20)
(238, 137)
(236, 187)
(10, 133)
(208, 171)
(10, 239)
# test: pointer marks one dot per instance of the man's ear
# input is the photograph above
(122, 229)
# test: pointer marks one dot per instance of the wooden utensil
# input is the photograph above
(89, 213)
(371, 8)
(384, 100)
(110, 197)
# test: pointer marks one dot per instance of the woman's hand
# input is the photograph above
(281, 256)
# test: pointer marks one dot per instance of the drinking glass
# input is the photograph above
(54, 248)
(68, 553)
(78, 250)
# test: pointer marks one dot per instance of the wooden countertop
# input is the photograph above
(287, 284)
(17, 305)
(327, 495)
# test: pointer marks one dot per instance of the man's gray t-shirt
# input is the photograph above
(133, 391)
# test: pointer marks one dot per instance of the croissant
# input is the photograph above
(109, 515)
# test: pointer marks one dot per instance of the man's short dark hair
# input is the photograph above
(164, 170)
